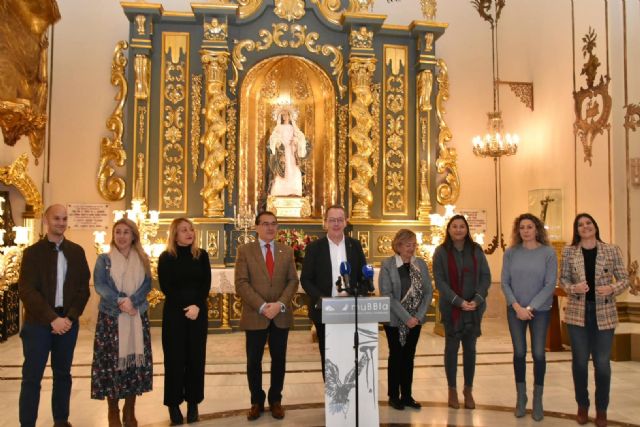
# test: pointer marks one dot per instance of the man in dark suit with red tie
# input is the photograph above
(321, 267)
(266, 280)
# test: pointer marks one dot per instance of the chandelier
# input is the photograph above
(496, 143)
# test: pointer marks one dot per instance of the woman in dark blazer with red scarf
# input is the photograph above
(462, 278)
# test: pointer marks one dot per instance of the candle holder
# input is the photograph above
(244, 221)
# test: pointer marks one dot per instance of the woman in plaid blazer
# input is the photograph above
(593, 274)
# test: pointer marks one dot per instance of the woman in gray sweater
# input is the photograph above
(529, 270)
(462, 277)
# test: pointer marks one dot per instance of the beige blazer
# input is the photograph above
(255, 288)
(610, 270)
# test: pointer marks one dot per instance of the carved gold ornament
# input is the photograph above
(140, 20)
(363, 237)
(24, 83)
(16, 175)
(429, 8)
(112, 152)
(592, 104)
(142, 68)
(289, 9)
(299, 38)
(424, 207)
(155, 297)
(484, 9)
(384, 245)
(212, 243)
(232, 123)
(343, 123)
(632, 116)
(173, 143)
(215, 70)
(360, 5)
(196, 105)
(376, 88)
(361, 39)
(247, 8)
(394, 190)
(330, 9)
(447, 192)
(215, 30)
(522, 90)
(360, 74)
(425, 87)
(428, 42)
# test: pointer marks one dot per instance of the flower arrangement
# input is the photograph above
(298, 240)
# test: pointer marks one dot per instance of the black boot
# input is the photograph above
(192, 412)
(175, 415)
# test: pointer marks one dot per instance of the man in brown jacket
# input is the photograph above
(266, 280)
(54, 288)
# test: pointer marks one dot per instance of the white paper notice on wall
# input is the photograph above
(88, 216)
(477, 219)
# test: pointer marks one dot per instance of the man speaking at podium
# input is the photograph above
(321, 267)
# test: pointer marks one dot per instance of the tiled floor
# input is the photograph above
(227, 396)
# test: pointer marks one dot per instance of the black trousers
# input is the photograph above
(256, 341)
(320, 331)
(451, 347)
(400, 369)
(184, 344)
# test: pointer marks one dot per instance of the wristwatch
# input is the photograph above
(529, 309)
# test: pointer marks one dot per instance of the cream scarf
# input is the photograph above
(128, 274)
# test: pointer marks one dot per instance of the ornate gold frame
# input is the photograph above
(308, 86)
(16, 175)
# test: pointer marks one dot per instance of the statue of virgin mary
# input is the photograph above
(287, 148)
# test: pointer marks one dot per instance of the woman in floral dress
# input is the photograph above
(122, 367)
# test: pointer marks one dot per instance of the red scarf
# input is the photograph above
(455, 281)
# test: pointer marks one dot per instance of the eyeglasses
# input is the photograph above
(335, 220)
(269, 224)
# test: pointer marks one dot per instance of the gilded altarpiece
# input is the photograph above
(209, 94)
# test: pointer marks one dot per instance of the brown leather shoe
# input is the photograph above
(601, 418)
(255, 411)
(453, 398)
(469, 403)
(277, 411)
(583, 415)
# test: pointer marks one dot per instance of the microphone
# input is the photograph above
(367, 272)
(345, 271)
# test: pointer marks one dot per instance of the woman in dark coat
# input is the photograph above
(184, 273)
(462, 277)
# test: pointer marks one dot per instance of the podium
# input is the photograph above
(338, 315)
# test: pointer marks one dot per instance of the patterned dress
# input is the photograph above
(106, 380)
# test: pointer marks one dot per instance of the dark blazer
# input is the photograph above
(317, 278)
(255, 287)
(38, 277)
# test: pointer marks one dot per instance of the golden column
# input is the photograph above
(361, 71)
(214, 64)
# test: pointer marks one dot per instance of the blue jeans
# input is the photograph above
(585, 341)
(538, 327)
(37, 342)
(451, 347)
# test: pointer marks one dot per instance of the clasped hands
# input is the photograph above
(583, 288)
(271, 310)
(61, 325)
(126, 306)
